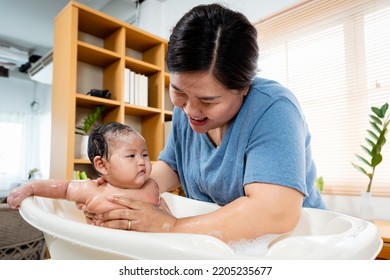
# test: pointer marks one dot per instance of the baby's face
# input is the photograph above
(129, 165)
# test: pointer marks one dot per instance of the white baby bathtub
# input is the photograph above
(319, 234)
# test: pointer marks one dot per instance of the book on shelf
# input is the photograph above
(135, 88)
(132, 88)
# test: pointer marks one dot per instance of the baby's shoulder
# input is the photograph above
(83, 183)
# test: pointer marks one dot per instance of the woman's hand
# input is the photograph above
(139, 216)
(89, 217)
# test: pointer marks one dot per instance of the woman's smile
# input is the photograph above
(198, 121)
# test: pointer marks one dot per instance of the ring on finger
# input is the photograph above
(129, 225)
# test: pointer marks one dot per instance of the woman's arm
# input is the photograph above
(165, 177)
(263, 210)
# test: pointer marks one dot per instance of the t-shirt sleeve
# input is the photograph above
(276, 150)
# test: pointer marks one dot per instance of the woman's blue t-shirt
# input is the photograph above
(268, 141)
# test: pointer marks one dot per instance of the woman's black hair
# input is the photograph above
(216, 39)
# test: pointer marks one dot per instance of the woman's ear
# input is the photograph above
(245, 91)
(100, 165)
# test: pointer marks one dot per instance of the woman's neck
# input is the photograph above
(216, 135)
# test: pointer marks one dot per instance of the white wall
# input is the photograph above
(18, 91)
(159, 17)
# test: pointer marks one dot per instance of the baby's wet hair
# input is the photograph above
(102, 134)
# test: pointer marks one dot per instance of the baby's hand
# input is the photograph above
(16, 197)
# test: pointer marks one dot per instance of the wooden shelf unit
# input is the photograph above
(91, 51)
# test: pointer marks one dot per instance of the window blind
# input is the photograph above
(335, 57)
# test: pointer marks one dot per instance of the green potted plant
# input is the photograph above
(92, 118)
(34, 174)
(379, 121)
(89, 122)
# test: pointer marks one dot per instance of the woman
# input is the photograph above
(236, 140)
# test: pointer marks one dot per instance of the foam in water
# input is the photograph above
(255, 247)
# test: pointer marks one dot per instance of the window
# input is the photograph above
(335, 57)
(22, 146)
(10, 153)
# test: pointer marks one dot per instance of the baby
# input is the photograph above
(119, 155)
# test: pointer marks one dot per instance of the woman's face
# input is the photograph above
(205, 101)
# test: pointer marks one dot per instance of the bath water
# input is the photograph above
(255, 247)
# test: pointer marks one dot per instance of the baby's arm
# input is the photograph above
(44, 188)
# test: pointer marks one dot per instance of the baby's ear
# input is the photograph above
(100, 165)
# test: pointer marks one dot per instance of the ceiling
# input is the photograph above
(28, 25)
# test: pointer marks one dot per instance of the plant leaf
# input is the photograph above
(381, 141)
(376, 127)
(372, 134)
(377, 112)
(372, 144)
(368, 151)
(376, 119)
(384, 108)
(376, 159)
(92, 117)
(375, 150)
(361, 169)
(363, 160)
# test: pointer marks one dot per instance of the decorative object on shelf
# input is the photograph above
(103, 93)
(92, 118)
(380, 120)
(88, 124)
(84, 147)
(79, 175)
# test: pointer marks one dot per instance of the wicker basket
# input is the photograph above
(18, 239)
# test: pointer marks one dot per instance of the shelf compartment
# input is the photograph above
(138, 40)
(102, 25)
(168, 115)
(85, 165)
(90, 101)
(142, 67)
(140, 111)
(93, 76)
(94, 55)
